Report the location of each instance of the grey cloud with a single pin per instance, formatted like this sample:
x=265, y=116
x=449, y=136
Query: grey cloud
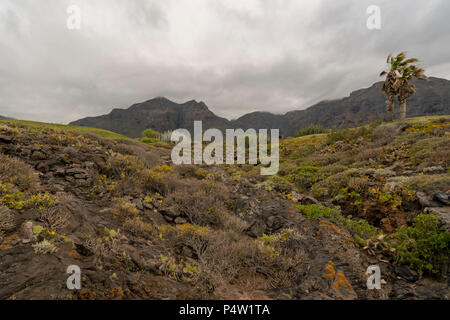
x=236, y=56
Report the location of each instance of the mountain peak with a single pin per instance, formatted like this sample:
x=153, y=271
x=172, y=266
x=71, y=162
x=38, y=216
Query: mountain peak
x=159, y=113
x=360, y=107
x=159, y=99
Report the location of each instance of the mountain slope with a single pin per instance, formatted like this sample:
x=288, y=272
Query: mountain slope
x=366, y=105
x=159, y=114
x=361, y=107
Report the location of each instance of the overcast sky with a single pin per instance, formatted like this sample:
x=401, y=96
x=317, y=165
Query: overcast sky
x=237, y=56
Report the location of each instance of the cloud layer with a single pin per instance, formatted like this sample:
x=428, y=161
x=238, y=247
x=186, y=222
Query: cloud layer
x=236, y=56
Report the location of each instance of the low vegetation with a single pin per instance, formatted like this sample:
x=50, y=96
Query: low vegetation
x=144, y=228
x=361, y=172
x=359, y=227
x=38, y=127
x=424, y=246
x=150, y=136
x=312, y=129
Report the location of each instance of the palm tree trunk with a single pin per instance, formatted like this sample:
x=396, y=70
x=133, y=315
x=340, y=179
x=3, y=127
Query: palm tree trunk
x=390, y=108
x=402, y=104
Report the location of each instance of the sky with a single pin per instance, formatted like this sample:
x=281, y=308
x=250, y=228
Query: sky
x=237, y=56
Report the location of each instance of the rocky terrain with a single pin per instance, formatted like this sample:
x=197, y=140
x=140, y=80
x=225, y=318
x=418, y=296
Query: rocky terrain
x=361, y=107
x=142, y=228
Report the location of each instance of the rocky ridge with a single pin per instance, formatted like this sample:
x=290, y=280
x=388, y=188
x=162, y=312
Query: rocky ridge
x=360, y=107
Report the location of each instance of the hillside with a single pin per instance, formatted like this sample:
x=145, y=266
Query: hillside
x=361, y=107
x=159, y=114
x=365, y=105
x=142, y=228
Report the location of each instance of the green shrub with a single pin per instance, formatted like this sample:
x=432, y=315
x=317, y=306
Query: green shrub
x=358, y=227
x=125, y=208
x=44, y=247
x=121, y=166
x=312, y=129
x=150, y=136
x=347, y=135
x=37, y=229
x=376, y=123
x=318, y=211
x=149, y=133
x=332, y=185
x=149, y=140
x=11, y=197
x=424, y=246
x=303, y=177
x=14, y=199
x=110, y=234
x=360, y=241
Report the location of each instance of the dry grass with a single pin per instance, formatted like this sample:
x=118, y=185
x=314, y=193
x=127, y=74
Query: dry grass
x=7, y=221
x=430, y=184
x=431, y=152
x=386, y=133
x=200, y=203
x=246, y=260
x=17, y=172
x=333, y=184
x=60, y=127
x=359, y=184
x=229, y=258
x=374, y=154
x=129, y=147
x=163, y=183
x=139, y=228
x=54, y=218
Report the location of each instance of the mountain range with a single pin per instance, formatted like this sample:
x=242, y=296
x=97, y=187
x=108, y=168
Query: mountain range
x=361, y=107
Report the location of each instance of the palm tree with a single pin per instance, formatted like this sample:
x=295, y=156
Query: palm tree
x=400, y=73
x=403, y=86
x=388, y=85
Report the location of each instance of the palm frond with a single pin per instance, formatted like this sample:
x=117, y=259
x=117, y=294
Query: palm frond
x=411, y=60
x=388, y=60
x=401, y=56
